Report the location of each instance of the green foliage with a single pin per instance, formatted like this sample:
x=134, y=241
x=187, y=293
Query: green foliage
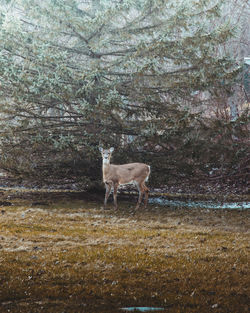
x=74, y=75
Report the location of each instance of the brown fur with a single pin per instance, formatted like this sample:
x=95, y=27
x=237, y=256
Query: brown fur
x=115, y=175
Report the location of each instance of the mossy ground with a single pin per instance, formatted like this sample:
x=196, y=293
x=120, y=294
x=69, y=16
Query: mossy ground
x=72, y=256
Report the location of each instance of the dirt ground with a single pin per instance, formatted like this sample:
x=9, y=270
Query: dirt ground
x=59, y=253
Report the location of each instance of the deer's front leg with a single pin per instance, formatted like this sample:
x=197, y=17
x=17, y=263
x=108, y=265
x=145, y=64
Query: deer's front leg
x=108, y=186
x=116, y=185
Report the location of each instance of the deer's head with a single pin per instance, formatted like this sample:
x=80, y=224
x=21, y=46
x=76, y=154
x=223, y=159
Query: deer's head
x=106, y=154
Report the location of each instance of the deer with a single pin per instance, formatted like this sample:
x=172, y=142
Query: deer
x=116, y=175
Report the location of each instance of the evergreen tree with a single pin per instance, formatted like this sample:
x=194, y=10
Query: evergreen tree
x=77, y=74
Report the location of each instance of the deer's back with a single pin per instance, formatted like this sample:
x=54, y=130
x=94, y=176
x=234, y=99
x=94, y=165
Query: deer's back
x=128, y=173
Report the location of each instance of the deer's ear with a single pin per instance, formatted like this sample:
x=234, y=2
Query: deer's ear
x=111, y=149
x=101, y=149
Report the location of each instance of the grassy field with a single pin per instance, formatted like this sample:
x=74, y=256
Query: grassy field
x=69, y=255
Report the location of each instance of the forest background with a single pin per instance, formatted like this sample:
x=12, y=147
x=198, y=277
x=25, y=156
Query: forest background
x=164, y=82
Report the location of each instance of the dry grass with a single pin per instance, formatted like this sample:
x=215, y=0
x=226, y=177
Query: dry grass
x=71, y=256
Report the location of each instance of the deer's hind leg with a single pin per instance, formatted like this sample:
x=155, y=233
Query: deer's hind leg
x=143, y=190
x=146, y=191
x=141, y=193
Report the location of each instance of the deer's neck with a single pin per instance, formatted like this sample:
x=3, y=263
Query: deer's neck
x=105, y=169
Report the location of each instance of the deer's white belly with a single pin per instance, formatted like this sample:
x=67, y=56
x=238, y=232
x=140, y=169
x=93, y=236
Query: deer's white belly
x=132, y=182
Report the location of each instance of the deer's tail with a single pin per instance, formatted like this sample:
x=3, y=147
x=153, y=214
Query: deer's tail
x=149, y=170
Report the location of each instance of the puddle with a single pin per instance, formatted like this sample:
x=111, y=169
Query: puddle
x=141, y=309
x=202, y=204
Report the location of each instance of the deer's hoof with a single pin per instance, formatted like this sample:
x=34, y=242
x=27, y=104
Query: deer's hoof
x=104, y=208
